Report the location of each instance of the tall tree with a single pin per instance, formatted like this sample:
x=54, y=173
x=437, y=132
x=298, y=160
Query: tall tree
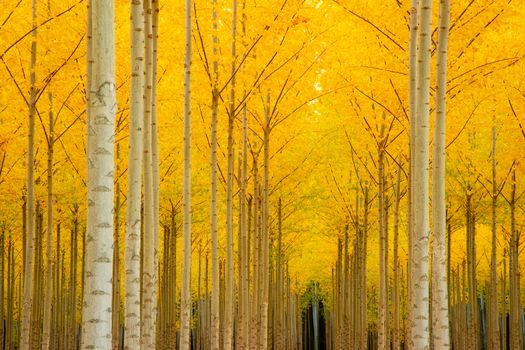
x=440, y=317
x=229, y=297
x=27, y=304
x=185, y=297
x=96, y=312
x=494, y=333
x=46, y=327
x=215, y=296
x=149, y=297
x=134, y=198
x=419, y=327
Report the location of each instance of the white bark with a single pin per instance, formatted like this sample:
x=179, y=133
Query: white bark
x=155, y=167
x=215, y=296
x=48, y=298
x=440, y=316
x=148, y=330
x=419, y=325
x=96, y=312
x=186, y=195
x=229, y=301
x=134, y=198
x=412, y=73
x=27, y=304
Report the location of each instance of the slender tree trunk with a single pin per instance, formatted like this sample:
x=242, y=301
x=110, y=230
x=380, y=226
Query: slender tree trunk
x=46, y=335
x=215, y=296
x=440, y=317
x=265, y=226
x=494, y=333
x=412, y=81
x=396, y=332
x=155, y=165
x=96, y=318
x=134, y=198
x=185, y=317
x=230, y=279
x=149, y=297
x=383, y=342
x=419, y=333
x=115, y=308
x=29, y=244
x=515, y=308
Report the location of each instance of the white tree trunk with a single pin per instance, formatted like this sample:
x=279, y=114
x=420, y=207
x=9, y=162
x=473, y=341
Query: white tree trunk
x=155, y=166
x=419, y=328
x=494, y=333
x=27, y=304
x=440, y=323
x=96, y=312
x=215, y=296
x=185, y=297
x=148, y=329
x=229, y=296
x=134, y=198
x=412, y=74
x=48, y=298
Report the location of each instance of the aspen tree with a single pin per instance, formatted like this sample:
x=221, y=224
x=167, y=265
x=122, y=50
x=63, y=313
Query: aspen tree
x=215, y=296
x=46, y=335
x=383, y=341
x=516, y=338
x=419, y=332
x=494, y=332
x=149, y=298
x=185, y=317
x=229, y=295
x=29, y=245
x=155, y=163
x=440, y=317
x=134, y=198
x=396, y=332
x=115, y=304
x=265, y=225
x=96, y=313
x=412, y=81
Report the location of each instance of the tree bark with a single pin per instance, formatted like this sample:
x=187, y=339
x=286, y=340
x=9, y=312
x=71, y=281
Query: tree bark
x=29, y=244
x=96, y=313
x=419, y=332
x=185, y=317
x=46, y=335
x=133, y=213
x=440, y=317
x=215, y=296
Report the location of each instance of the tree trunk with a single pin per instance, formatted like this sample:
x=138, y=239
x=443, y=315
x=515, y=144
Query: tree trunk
x=494, y=335
x=419, y=333
x=96, y=318
x=515, y=308
x=230, y=279
x=134, y=198
x=440, y=317
x=149, y=297
x=29, y=244
x=185, y=317
x=46, y=335
x=215, y=296
x=396, y=331
x=383, y=342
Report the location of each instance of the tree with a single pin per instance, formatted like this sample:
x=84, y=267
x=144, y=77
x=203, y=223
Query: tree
x=30, y=188
x=440, y=317
x=96, y=311
x=419, y=327
x=134, y=198
x=186, y=195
